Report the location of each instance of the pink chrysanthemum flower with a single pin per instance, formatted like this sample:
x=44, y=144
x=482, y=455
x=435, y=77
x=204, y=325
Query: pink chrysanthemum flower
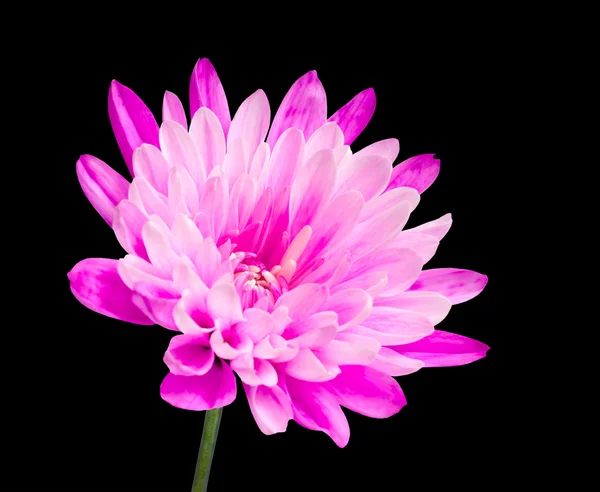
x=282, y=260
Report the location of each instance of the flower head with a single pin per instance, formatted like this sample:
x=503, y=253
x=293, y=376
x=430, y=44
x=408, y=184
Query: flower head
x=276, y=252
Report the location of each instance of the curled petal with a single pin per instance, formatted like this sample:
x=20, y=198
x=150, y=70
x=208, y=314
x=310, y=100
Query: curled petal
x=271, y=408
x=214, y=389
x=189, y=355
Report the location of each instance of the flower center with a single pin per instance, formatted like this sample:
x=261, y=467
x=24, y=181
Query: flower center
x=254, y=282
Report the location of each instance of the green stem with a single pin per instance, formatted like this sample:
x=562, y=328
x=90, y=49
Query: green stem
x=212, y=419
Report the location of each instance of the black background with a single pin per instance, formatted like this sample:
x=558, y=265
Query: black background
x=88, y=414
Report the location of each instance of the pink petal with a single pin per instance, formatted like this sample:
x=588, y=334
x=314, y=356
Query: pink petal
x=157, y=239
x=374, y=232
x=391, y=326
x=457, y=285
x=251, y=121
x=228, y=344
x=148, y=200
x=367, y=174
x=303, y=107
x=102, y=185
x=127, y=224
x=336, y=221
x=223, y=303
x=133, y=270
x=186, y=236
x=393, y=197
x=149, y=163
x=329, y=136
x=214, y=389
x=188, y=355
x=242, y=201
x=435, y=307
x=183, y=192
x=190, y=315
x=208, y=261
x=350, y=349
x=351, y=305
x=312, y=190
x=172, y=109
x=132, y=122
x=424, y=245
x=254, y=372
x=418, y=172
x=235, y=163
x=158, y=309
x=304, y=300
x=179, y=149
x=208, y=136
x=442, y=349
x=206, y=90
x=271, y=408
x=257, y=324
x=317, y=409
x=286, y=157
x=389, y=149
x=355, y=115
x=315, y=330
x=306, y=366
x=368, y=392
x=96, y=283
x=401, y=265
x=437, y=228
x=392, y=363
x=213, y=204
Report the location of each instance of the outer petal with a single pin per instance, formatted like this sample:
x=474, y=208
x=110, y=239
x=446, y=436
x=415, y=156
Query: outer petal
x=389, y=148
x=442, y=349
x=317, y=409
x=271, y=408
x=303, y=107
x=418, y=172
x=102, y=185
x=367, y=174
x=391, y=326
x=131, y=120
x=214, y=389
x=96, y=283
x=127, y=224
x=393, y=363
x=355, y=115
x=188, y=355
x=172, y=109
x=437, y=228
x=251, y=121
x=208, y=136
x=149, y=163
x=434, y=306
x=368, y=392
x=206, y=90
x=457, y=285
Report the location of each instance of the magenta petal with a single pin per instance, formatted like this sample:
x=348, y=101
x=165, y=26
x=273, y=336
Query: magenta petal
x=206, y=90
x=418, y=172
x=317, y=409
x=96, y=283
x=368, y=392
x=102, y=185
x=132, y=122
x=355, y=115
x=188, y=355
x=214, y=389
x=442, y=349
x=172, y=109
x=303, y=107
x=271, y=408
x=457, y=285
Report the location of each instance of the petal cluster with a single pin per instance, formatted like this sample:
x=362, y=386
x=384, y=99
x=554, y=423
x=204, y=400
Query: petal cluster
x=275, y=251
